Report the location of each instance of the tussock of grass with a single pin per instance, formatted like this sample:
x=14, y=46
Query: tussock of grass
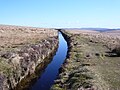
x=5, y=67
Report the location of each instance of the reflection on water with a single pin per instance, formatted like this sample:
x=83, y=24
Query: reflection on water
x=51, y=72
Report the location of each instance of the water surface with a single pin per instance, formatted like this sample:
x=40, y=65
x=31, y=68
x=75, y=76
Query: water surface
x=50, y=74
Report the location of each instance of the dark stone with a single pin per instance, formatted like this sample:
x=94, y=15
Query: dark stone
x=97, y=54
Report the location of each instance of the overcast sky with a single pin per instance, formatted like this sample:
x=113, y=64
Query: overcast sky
x=61, y=13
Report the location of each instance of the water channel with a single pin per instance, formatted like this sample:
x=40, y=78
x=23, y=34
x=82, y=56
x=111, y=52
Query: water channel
x=51, y=71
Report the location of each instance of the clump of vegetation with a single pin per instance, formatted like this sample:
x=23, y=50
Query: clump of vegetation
x=116, y=50
x=5, y=68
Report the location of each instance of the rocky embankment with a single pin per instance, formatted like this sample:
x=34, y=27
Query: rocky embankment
x=23, y=50
x=93, y=61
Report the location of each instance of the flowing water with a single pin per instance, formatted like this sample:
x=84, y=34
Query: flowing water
x=50, y=74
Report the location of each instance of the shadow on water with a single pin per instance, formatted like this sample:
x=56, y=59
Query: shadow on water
x=50, y=74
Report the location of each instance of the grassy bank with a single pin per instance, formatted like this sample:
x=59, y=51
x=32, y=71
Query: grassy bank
x=90, y=65
x=22, y=49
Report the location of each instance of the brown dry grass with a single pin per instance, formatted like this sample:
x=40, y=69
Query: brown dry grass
x=18, y=35
x=110, y=38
